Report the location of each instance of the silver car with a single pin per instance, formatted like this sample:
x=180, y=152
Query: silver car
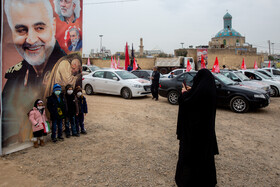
x=246, y=82
x=275, y=72
x=268, y=74
x=274, y=84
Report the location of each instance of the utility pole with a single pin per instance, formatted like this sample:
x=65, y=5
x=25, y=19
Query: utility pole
x=101, y=50
x=269, y=47
x=272, y=48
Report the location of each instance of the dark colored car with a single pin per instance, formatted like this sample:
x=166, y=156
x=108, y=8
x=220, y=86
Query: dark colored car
x=229, y=93
x=144, y=74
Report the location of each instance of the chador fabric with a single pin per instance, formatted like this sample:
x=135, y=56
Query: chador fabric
x=196, y=133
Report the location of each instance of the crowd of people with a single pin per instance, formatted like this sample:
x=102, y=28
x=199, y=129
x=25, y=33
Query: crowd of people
x=69, y=107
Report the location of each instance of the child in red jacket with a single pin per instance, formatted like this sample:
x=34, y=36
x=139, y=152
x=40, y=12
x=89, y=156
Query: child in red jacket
x=38, y=119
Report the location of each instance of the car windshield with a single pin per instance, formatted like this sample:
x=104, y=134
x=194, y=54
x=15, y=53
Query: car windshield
x=94, y=68
x=242, y=76
x=262, y=75
x=126, y=75
x=266, y=73
x=225, y=80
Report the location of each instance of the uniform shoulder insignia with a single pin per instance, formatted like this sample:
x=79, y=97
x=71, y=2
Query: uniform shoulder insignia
x=16, y=67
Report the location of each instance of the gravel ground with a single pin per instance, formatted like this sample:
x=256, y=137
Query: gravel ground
x=133, y=143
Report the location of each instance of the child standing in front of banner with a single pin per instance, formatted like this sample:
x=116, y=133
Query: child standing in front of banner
x=56, y=107
x=82, y=103
x=38, y=119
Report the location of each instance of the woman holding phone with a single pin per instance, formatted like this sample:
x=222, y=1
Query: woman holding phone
x=196, y=132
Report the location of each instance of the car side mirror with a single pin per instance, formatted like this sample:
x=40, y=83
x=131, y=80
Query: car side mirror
x=115, y=78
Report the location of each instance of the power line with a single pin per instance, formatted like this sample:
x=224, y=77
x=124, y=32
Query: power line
x=106, y=2
x=264, y=47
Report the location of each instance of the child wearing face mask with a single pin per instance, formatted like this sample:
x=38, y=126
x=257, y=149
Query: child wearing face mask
x=82, y=103
x=56, y=107
x=72, y=109
x=38, y=119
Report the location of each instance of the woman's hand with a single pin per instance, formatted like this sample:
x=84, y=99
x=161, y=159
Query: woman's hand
x=184, y=89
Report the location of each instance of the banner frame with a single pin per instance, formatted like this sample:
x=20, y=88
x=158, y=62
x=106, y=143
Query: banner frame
x=1, y=40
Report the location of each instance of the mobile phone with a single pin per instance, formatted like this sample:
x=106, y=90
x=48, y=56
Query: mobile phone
x=185, y=84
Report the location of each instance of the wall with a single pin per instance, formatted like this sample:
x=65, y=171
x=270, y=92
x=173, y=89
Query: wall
x=229, y=57
x=144, y=63
x=230, y=41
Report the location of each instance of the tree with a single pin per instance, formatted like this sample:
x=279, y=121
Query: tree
x=270, y=57
x=181, y=52
x=163, y=55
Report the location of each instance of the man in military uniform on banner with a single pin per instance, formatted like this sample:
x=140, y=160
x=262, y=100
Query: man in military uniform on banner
x=33, y=32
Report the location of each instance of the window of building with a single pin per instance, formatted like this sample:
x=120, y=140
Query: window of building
x=225, y=42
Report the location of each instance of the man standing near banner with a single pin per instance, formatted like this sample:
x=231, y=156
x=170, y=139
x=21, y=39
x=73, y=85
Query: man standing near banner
x=33, y=31
x=68, y=10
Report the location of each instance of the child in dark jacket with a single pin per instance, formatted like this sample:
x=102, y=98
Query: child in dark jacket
x=37, y=117
x=82, y=103
x=72, y=109
x=56, y=107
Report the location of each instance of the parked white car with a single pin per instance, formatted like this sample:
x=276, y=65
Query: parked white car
x=89, y=69
x=274, y=71
x=116, y=82
x=176, y=72
x=274, y=84
x=243, y=80
x=268, y=74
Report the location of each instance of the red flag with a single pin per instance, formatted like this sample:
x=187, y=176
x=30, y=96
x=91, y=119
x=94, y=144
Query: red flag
x=255, y=65
x=135, y=66
x=126, y=57
x=112, y=62
x=118, y=62
x=216, y=68
x=88, y=62
x=189, y=67
x=243, y=66
x=203, y=66
x=269, y=65
x=115, y=63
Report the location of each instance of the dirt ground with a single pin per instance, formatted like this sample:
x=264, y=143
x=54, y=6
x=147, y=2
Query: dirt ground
x=133, y=143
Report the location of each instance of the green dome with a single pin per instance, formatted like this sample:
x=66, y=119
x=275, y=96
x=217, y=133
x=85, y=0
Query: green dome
x=227, y=32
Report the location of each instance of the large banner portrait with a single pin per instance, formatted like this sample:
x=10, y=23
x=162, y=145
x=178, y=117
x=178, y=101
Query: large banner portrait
x=37, y=36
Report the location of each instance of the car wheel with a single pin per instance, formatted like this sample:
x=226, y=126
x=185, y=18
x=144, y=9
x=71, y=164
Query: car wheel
x=126, y=93
x=88, y=89
x=274, y=91
x=173, y=97
x=239, y=104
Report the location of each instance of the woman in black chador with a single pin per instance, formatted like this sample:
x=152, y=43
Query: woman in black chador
x=196, y=133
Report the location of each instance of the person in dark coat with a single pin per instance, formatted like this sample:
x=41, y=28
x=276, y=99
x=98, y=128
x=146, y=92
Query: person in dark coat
x=196, y=133
x=155, y=83
x=72, y=109
x=56, y=107
x=83, y=110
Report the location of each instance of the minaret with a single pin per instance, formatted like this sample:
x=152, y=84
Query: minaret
x=141, y=47
x=227, y=21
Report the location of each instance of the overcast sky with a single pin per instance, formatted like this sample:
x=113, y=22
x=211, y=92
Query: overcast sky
x=164, y=24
